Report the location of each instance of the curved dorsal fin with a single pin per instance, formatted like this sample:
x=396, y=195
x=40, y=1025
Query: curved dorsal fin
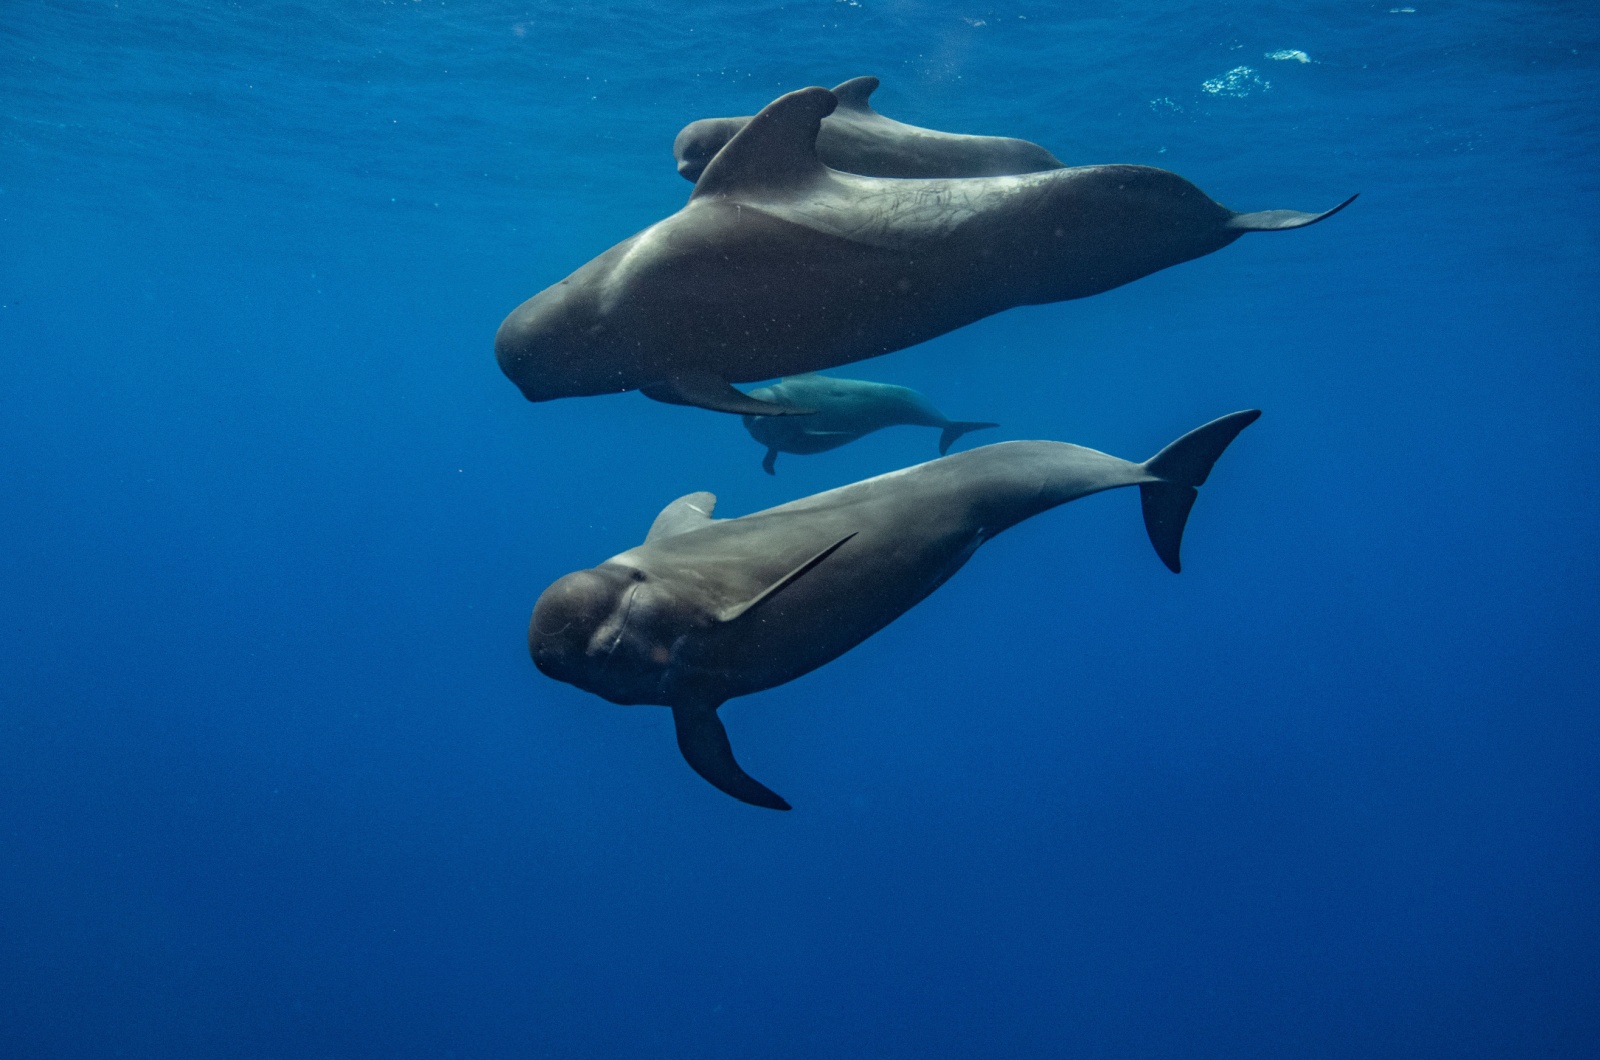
x=854, y=92
x=687, y=513
x=776, y=151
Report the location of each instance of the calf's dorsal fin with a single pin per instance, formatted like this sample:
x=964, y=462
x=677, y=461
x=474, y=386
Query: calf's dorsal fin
x=853, y=94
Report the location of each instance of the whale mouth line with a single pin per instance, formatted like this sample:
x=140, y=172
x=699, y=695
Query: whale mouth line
x=622, y=626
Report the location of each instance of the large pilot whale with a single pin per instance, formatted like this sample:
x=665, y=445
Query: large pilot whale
x=857, y=139
x=709, y=609
x=846, y=409
x=778, y=265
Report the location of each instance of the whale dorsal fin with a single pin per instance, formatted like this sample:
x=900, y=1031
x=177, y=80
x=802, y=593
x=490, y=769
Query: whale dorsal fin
x=687, y=513
x=735, y=611
x=777, y=151
x=854, y=92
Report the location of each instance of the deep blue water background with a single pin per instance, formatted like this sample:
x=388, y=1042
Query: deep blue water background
x=277, y=778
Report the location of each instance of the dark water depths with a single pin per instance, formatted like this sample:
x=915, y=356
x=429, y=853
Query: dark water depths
x=277, y=778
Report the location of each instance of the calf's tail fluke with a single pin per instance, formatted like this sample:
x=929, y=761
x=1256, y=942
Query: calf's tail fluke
x=955, y=429
x=1182, y=468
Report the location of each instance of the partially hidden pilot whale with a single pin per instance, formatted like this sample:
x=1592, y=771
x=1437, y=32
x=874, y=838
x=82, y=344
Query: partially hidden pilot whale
x=846, y=409
x=709, y=609
x=857, y=139
x=778, y=265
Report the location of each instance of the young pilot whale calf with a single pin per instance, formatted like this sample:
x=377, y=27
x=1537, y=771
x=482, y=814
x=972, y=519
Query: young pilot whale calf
x=707, y=609
x=778, y=265
x=857, y=139
x=846, y=409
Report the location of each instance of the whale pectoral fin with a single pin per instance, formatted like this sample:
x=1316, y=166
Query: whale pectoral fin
x=706, y=391
x=689, y=512
x=770, y=461
x=777, y=151
x=853, y=94
x=1282, y=220
x=704, y=743
x=736, y=611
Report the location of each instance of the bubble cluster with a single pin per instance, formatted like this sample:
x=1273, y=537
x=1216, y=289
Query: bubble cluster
x=1239, y=82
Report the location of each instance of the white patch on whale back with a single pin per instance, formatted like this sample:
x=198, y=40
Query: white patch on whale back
x=639, y=254
x=1287, y=54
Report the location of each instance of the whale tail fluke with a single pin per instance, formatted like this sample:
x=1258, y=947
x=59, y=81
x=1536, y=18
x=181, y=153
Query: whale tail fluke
x=1281, y=220
x=955, y=429
x=1182, y=468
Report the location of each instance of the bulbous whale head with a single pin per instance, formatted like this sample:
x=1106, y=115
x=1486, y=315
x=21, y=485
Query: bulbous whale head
x=562, y=342
x=539, y=346
x=606, y=630
x=699, y=141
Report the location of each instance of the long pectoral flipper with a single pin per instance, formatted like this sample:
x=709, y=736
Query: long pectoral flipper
x=707, y=391
x=735, y=611
x=704, y=743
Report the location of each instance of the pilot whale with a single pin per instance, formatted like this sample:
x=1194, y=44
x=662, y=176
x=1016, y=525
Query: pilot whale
x=706, y=609
x=846, y=409
x=857, y=139
x=778, y=265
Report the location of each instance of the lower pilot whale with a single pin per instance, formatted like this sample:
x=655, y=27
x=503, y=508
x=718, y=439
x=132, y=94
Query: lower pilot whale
x=778, y=265
x=857, y=139
x=708, y=609
x=846, y=409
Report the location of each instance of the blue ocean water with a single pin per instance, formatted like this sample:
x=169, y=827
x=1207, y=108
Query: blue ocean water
x=277, y=778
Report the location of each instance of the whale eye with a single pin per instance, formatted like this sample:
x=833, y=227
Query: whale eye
x=638, y=575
